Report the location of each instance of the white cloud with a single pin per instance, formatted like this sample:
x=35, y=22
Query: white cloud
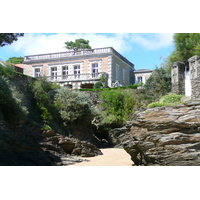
x=153, y=41
x=38, y=43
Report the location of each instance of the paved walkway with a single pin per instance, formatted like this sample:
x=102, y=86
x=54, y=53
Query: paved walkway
x=110, y=157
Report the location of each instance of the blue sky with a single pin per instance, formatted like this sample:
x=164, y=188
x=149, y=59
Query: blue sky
x=145, y=50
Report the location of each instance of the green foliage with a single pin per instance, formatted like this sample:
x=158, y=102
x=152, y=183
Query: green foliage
x=169, y=99
x=98, y=85
x=117, y=106
x=46, y=127
x=7, y=70
x=186, y=46
x=157, y=104
x=78, y=44
x=136, y=85
x=10, y=104
x=103, y=80
x=158, y=84
x=15, y=60
x=43, y=94
x=73, y=105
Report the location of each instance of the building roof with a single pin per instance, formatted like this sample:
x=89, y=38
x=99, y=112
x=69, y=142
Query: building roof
x=74, y=55
x=19, y=65
x=143, y=71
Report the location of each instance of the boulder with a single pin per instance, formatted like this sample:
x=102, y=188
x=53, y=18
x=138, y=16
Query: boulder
x=163, y=136
x=76, y=147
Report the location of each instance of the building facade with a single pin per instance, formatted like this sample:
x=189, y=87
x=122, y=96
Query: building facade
x=82, y=68
x=142, y=75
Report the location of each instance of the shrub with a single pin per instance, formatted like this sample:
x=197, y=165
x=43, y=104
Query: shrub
x=43, y=93
x=10, y=105
x=117, y=106
x=98, y=85
x=157, y=104
x=169, y=99
x=7, y=70
x=73, y=105
x=158, y=84
x=46, y=127
x=136, y=85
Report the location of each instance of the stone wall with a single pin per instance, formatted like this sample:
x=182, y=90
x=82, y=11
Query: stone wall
x=194, y=65
x=178, y=78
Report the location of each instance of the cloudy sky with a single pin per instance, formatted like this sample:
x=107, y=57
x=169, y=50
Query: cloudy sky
x=145, y=50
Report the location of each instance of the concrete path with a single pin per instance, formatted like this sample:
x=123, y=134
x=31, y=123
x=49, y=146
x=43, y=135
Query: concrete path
x=110, y=157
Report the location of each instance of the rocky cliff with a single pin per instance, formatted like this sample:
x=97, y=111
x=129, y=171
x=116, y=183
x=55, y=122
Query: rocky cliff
x=24, y=143
x=163, y=136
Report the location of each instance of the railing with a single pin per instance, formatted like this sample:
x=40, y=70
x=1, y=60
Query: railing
x=67, y=54
x=75, y=77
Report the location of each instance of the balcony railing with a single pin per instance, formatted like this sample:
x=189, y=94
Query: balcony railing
x=67, y=54
x=75, y=77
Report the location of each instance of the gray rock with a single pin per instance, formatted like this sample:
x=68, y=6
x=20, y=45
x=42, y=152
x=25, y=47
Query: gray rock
x=163, y=136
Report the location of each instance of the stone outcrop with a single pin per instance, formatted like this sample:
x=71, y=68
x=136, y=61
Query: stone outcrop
x=23, y=145
x=163, y=136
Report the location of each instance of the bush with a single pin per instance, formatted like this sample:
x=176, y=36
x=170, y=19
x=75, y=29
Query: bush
x=117, y=106
x=10, y=105
x=169, y=99
x=73, y=105
x=136, y=85
x=98, y=85
x=7, y=70
x=157, y=104
x=43, y=93
x=158, y=84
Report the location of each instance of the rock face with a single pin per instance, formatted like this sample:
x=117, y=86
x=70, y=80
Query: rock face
x=78, y=148
x=23, y=145
x=163, y=136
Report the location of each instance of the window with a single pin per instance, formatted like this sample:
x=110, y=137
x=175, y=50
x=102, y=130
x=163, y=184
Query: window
x=65, y=72
x=139, y=79
x=77, y=71
x=95, y=70
x=37, y=72
x=53, y=73
x=123, y=74
x=117, y=72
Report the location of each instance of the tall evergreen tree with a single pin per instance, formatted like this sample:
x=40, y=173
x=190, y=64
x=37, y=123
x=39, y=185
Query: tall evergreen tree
x=186, y=46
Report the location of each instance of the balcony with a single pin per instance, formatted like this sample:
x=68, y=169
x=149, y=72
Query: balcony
x=76, y=77
x=67, y=54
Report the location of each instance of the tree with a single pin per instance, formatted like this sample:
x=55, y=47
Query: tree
x=9, y=38
x=158, y=84
x=186, y=46
x=15, y=60
x=78, y=44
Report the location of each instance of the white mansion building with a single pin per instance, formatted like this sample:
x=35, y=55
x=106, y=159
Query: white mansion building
x=81, y=68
